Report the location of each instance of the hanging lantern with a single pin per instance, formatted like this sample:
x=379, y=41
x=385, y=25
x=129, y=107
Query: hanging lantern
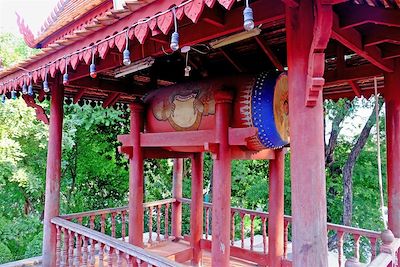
x=248, y=17
x=30, y=89
x=46, y=87
x=24, y=89
x=127, y=57
x=13, y=94
x=3, y=98
x=92, y=69
x=175, y=35
x=65, y=76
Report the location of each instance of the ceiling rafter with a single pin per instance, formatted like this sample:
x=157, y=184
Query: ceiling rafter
x=352, y=15
x=270, y=54
x=352, y=39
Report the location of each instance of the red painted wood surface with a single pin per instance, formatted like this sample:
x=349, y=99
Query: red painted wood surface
x=307, y=146
x=136, y=179
x=276, y=209
x=222, y=183
x=196, y=209
x=176, y=226
x=53, y=175
x=392, y=104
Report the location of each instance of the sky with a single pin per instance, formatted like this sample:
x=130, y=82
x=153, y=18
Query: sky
x=34, y=12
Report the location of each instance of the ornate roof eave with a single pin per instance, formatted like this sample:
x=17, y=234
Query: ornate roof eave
x=53, y=58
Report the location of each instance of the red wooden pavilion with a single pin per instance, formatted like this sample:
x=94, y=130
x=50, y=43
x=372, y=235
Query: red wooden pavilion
x=111, y=53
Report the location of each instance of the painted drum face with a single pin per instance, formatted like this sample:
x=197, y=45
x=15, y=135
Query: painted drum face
x=260, y=102
x=264, y=105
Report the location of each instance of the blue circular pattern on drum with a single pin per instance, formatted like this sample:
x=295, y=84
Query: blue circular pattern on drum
x=262, y=109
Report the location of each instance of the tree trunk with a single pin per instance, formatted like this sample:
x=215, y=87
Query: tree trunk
x=349, y=167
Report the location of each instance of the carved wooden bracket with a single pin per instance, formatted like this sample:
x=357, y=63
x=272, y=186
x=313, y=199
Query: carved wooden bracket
x=40, y=113
x=323, y=19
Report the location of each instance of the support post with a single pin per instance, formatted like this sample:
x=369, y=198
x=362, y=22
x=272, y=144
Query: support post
x=392, y=104
x=276, y=209
x=53, y=175
x=221, y=211
x=309, y=227
x=196, y=208
x=177, y=194
x=136, y=187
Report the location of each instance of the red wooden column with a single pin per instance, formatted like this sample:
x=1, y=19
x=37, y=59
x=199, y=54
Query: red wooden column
x=53, y=174
x=136, y=178
x=276, y=209
x=196, y=208
x=392, y=104
x=221, y=211
x=309, y=227
x=177, y=193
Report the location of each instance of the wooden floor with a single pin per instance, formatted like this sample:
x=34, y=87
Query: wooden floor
x=171, y=248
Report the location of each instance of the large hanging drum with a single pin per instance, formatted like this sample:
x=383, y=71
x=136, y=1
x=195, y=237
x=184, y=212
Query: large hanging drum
x=260, y=102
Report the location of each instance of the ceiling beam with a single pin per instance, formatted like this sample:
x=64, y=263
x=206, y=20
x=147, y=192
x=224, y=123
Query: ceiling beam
x=361, y=72
x=352, y=15
x=291, y=3
x=356, y=88
x=270, y=54
x=111, y=98
x=231, y=60
x=390, y=51
x=377, y=34
x=213, y=17
x=352, y=39
x=79, y=95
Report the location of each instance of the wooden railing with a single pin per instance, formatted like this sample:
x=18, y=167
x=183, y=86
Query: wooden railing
x=80, y=246
x=114, y=221
x=248, y=230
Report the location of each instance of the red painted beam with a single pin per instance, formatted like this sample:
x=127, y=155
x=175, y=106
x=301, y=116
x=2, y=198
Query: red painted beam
x=270, y=54
x=392, y=104
x=390, y=51
x=352, y=39
x=291, y=3
x=110, y=99
x=362, y=72
x=352, y=15
x=378, y=34
x=356, y=88
x=79, y=95
x=231, y=60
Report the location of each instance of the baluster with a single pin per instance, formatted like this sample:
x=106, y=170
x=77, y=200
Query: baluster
x=150, y=225
x=207, y=221
x=130, y=261
x=139, y=262
x=372, y=240
x=242, y=229
x=85, y=251
x=91, y=219
x=356, y=246
x=113, y=224
x=166, y=221
x=264, y=233
x=65, y=248
x=340, y=236
x=110, y=257
x=71, y=248
x=232, y=228
x=252, y=232
x=92, y=261
x=119, y=258
x=103, y=223
x=78, y=253
x=285, y=240
x=101, y=255
x=58, y=246
x=158, y=222
x=123, y=227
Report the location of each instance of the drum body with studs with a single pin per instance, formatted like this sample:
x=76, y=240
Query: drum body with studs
x=260, y=102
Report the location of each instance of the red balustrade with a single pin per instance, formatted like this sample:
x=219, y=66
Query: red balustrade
x=71, y=237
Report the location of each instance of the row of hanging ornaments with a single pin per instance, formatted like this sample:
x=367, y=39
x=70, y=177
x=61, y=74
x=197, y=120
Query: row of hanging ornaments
x=174, y=45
